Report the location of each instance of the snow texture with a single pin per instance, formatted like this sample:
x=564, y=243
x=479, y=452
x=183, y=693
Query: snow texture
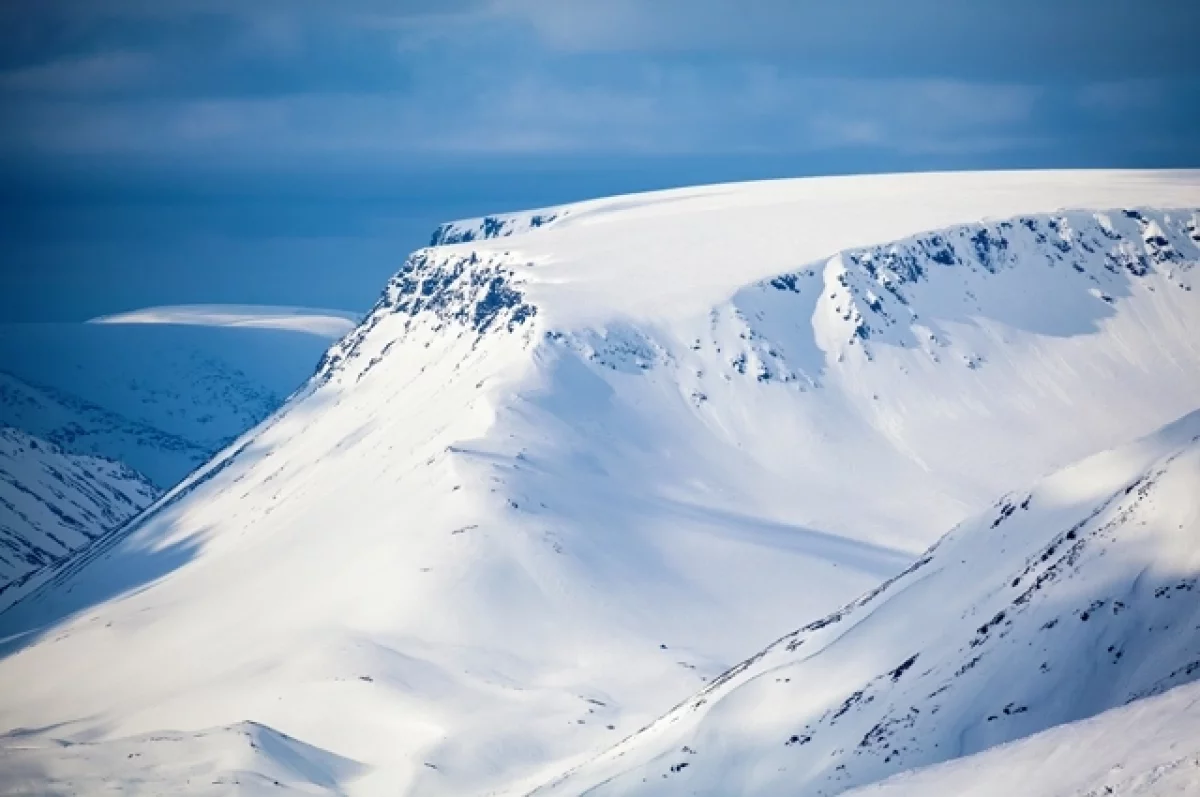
x=576, y=463
x=1069, y=599
x=1149, y=748
x=246, y=759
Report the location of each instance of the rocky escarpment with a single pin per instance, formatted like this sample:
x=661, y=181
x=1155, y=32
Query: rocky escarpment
x=1057, y=274
x=439, y=291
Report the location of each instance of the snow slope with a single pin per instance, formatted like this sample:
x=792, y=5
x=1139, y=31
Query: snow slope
x=53, y=503
x=1058, y=603
x=160, y=390
x=246, y=759
x=1149, y=748
x=566, y=472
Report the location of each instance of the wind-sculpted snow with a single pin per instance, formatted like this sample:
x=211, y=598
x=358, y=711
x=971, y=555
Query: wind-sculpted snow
x=1077, y=596
x=566, y=473
x=53, y=503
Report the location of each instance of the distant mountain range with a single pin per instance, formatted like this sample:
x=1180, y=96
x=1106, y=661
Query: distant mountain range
x=53, y=503
x=99, y=418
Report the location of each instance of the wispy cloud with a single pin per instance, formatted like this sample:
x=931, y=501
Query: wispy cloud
x=650, y=111
x=373, y=79
x=91, y=74
x=1012, y=40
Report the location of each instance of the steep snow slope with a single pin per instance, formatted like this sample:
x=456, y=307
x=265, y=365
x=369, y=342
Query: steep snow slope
x=567, y=471
x=162, y=398
x=1058, y=603
x=1149, y=748
x=53, y=503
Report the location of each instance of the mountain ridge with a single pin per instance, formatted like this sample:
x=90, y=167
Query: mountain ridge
x=851, y=730
x=484, y=542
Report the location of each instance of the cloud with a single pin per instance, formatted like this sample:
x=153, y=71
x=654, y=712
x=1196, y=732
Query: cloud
x=290, y=80
x=331, y=324
x=645, y=110
x=92, y=74
x=1122, y=96
x=1011, y=40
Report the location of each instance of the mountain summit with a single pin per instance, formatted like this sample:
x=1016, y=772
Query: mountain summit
x=576, y=463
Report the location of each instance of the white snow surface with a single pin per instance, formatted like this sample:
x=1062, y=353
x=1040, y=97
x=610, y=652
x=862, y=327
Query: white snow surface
x=1058, y=603
x=329, y=324
x=53, y=503
x=1149, y=748
x=567, y=472
x=246, y=759
x=678, y=253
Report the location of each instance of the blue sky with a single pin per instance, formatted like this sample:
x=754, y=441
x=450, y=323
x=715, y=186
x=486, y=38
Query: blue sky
x=292, y=151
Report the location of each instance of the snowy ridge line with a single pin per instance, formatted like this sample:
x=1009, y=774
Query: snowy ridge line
x=1105, y=247
x=717, y=684
x=1144, y=749
x=560, y=480
x=1104, y=552
x=869, y=289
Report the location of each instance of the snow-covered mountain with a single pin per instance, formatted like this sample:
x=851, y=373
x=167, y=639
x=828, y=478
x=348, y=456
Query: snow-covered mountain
x=568, y=471
x=88, y=429
x=1149, y=748
x=1056, y=604
x=53, y=503
x=160, y=390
